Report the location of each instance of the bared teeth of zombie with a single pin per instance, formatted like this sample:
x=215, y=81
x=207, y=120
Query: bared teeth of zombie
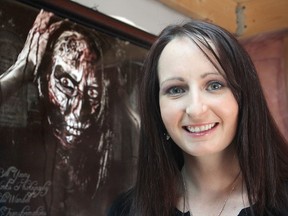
x=78, y=125
x=69, y=122
x=73, y=131
x=69, y=138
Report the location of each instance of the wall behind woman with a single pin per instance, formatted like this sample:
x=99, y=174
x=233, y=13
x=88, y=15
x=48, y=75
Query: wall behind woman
x=268, y=52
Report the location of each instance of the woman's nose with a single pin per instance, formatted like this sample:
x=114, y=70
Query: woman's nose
x=196, y=105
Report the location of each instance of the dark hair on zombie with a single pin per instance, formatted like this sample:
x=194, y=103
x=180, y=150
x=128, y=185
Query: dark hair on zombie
x=261, y=149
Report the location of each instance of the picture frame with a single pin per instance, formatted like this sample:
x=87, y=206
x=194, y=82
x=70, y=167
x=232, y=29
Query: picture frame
x=69, y=122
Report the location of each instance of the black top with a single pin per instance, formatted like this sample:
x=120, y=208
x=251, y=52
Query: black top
x=243, y=212
x=122, y=204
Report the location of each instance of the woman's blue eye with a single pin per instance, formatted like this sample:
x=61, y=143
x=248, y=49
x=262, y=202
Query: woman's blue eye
x=214, y=86
x=175, y=90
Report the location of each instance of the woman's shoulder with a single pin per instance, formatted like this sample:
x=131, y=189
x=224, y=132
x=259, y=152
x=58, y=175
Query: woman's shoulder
x=283, y=209
x=121, y=205
x=268, y=212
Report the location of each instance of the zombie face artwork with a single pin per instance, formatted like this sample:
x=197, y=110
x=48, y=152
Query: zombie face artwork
x=74, y=88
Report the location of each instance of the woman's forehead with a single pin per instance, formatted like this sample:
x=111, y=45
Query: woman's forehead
x=205, y=45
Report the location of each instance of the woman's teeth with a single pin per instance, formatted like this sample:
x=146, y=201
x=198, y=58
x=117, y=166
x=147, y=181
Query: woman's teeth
x=202, y=128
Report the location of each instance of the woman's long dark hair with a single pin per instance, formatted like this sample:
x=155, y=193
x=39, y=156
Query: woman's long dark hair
x=261, y=149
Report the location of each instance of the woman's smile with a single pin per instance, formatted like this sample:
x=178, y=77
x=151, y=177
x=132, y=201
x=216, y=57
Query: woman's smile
x=200, y=130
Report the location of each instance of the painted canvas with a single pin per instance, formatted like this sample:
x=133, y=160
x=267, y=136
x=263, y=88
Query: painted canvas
x=68, y=113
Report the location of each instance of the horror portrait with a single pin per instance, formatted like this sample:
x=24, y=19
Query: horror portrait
x=65, y=135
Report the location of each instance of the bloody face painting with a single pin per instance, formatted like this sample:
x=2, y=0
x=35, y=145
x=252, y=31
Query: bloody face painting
x=74, y=88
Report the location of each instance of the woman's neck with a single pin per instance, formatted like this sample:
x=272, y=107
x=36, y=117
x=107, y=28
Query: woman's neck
x=213, y=185
x=211, y=172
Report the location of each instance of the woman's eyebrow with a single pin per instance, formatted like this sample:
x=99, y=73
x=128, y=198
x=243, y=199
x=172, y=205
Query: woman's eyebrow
x=210, y=73
x=171, y=79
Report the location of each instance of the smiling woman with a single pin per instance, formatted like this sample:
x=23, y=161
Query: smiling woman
x=197, y=107
x=209, y=145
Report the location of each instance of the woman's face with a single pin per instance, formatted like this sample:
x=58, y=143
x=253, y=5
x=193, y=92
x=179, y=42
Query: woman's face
x=198, y=109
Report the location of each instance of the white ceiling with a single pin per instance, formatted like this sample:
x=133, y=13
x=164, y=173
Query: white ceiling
x=150, y=15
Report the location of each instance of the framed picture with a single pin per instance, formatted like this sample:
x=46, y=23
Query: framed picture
x=69, y=120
